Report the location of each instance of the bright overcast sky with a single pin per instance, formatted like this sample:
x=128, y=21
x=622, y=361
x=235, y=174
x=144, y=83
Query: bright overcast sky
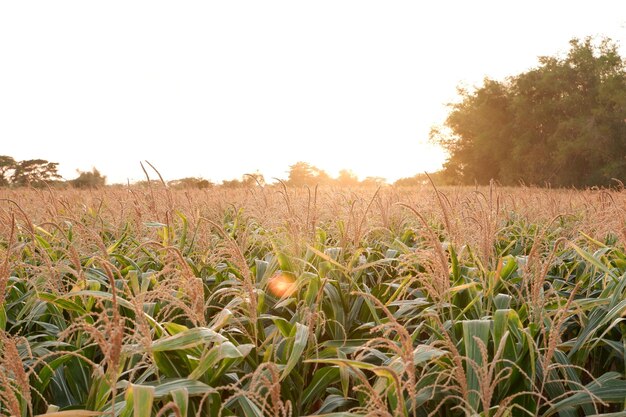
x=220, y=88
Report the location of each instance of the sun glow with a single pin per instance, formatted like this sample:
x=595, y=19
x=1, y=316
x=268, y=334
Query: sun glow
x=427, y=158
x=282, y=285
x=361, y=94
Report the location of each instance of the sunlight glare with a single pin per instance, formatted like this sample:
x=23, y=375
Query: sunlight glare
x=282, y=285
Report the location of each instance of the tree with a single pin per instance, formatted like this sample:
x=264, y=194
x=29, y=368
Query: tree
x=247, y=181
x=191, y=182
x=234, y=183
x=373, y=182
x=562, y=123
x=416, y=180
x=251, y=180
x=437, y=177
x=7, y=164
x=347, y=178
x=302, y=173
x=88, y=179
x=35, y=173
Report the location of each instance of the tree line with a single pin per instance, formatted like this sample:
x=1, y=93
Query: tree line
x=562, y=123
x=40, y=173
x=300, y=174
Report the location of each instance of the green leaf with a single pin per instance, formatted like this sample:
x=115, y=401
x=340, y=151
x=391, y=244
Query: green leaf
x=282, y=325
x=345, y=362
x=607, y=388
x=322, y=378
x=594, y=261
x=474, y=330
x=154, y=224
x=142, y=400
x=187, y=339
x=67, y=305
x=331, y=403
x=3, y=317
x=164, y=388
x=180, y=396
x=425, y=353
x=300, y=341
x=224, y=350
x=249, y=408
x=599, y=318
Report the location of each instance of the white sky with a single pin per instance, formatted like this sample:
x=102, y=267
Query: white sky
x=220, y=88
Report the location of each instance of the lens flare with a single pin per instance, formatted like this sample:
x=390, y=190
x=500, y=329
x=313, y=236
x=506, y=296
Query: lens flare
x=282, y=285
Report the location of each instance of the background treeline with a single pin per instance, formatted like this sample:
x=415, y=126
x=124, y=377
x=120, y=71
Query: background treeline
x=562, y=123
x=40, y=172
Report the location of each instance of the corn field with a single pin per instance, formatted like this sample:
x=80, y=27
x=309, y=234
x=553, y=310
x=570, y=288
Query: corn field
x=275, y=301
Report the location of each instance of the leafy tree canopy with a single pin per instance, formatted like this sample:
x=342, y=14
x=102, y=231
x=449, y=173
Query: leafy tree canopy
x=34, y=172
x=89, y=179
x=190, y=183
x=7, y=164
x=302, y=173
x=438, y=178
x=347, y=178
x=562, y=123
x=374, y=182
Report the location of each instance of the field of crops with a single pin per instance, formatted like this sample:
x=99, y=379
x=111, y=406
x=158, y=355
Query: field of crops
x=300, y=302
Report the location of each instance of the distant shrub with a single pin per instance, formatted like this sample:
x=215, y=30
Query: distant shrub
x=89, y=179
x=191, y=182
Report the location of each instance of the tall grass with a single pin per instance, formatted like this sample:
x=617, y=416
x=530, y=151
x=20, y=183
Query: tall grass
x=295, y=302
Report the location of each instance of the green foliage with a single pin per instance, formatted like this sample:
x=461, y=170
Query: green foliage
x=562, y=123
